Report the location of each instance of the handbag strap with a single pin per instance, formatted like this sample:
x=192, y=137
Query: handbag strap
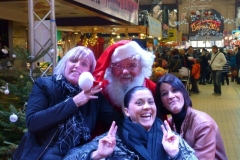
x=214, y=58
x=174, y=66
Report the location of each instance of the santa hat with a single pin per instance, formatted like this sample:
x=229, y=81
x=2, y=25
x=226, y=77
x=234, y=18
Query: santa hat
x=116, y=52
x=128, y=50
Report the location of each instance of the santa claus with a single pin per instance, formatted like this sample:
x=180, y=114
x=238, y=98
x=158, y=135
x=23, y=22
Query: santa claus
x=122, y=66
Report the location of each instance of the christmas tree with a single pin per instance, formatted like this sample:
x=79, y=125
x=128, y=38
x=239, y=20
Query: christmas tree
x=14, y=91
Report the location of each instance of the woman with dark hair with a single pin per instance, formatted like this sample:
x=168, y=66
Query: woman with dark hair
x=141, y=135
x=175, y=62
x=197, y=128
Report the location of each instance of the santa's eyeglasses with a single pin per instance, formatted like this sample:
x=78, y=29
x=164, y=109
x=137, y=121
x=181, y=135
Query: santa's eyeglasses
x=119, y=67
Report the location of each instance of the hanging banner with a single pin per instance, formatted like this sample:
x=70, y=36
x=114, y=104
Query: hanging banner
x=126, y=10
x=155, y=27
x=156, y=9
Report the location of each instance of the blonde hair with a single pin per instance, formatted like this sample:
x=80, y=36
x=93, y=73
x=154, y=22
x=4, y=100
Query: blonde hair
x=76, y=52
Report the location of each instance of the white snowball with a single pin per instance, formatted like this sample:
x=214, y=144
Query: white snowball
x=85, y=81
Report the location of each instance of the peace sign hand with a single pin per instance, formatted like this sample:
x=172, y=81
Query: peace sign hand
x=170, y=141
x=107, y=144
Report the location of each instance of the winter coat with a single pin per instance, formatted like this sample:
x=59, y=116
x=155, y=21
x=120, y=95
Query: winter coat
x=46, y=100
x=201, y=132
x=175, y=64
x=196, y=71
x=218, y=62
x=232, y=60
x=204, y=64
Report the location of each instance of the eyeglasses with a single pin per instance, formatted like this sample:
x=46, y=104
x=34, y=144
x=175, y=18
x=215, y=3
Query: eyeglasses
x=119, y=67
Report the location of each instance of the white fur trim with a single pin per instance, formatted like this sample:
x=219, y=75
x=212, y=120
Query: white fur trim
x=126, y=51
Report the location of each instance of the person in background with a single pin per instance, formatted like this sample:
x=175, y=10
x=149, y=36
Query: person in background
x=122, y=66
x=195, y=73
x=158, y=59
x=189, y=62
x=203, y=71
x=60, y=115
x=175, y=63
x=197, y=128
x=209, y=76
x=141, y=136
x=238, y=64
x=165, y=55
x=217, y=61
x=232, y=61
x=225, y=71
x=181, y=55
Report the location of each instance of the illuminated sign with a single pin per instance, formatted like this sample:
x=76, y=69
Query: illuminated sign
x=206, y=24
x=212, y=26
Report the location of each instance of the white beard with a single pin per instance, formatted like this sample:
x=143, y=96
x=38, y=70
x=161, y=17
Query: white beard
x=116, y=91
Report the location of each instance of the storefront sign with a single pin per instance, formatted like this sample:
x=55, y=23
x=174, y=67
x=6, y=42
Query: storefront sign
x=206, y=24
x=155, y=28
x=124, y=9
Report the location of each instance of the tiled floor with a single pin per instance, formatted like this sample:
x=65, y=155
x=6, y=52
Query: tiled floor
x=225, y=109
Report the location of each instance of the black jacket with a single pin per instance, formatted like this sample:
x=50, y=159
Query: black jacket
x=47, y=108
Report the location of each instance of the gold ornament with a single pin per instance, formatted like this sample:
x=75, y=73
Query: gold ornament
x=111, y=41
x=85, y=41
x=93, y=39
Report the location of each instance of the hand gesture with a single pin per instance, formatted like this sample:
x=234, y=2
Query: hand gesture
x=170, y=141
x=84, y=96
x=107, y=144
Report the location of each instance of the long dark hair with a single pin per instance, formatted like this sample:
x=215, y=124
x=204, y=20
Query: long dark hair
x=177, y=85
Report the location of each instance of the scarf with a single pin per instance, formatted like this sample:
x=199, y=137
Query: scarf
x=73, y=130
x=146, y=144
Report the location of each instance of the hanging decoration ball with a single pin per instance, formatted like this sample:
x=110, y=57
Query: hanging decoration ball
x=198, y=13
x=13, y=118
x=5, y=51
x=21, y=76
x=85, y=81
x=6, y=91
x=14, y=56
x=52, y=51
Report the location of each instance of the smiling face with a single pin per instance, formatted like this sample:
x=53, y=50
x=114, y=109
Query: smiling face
x=75, y=67
x=126, y=70
x=142, y=108
x=171, y=99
